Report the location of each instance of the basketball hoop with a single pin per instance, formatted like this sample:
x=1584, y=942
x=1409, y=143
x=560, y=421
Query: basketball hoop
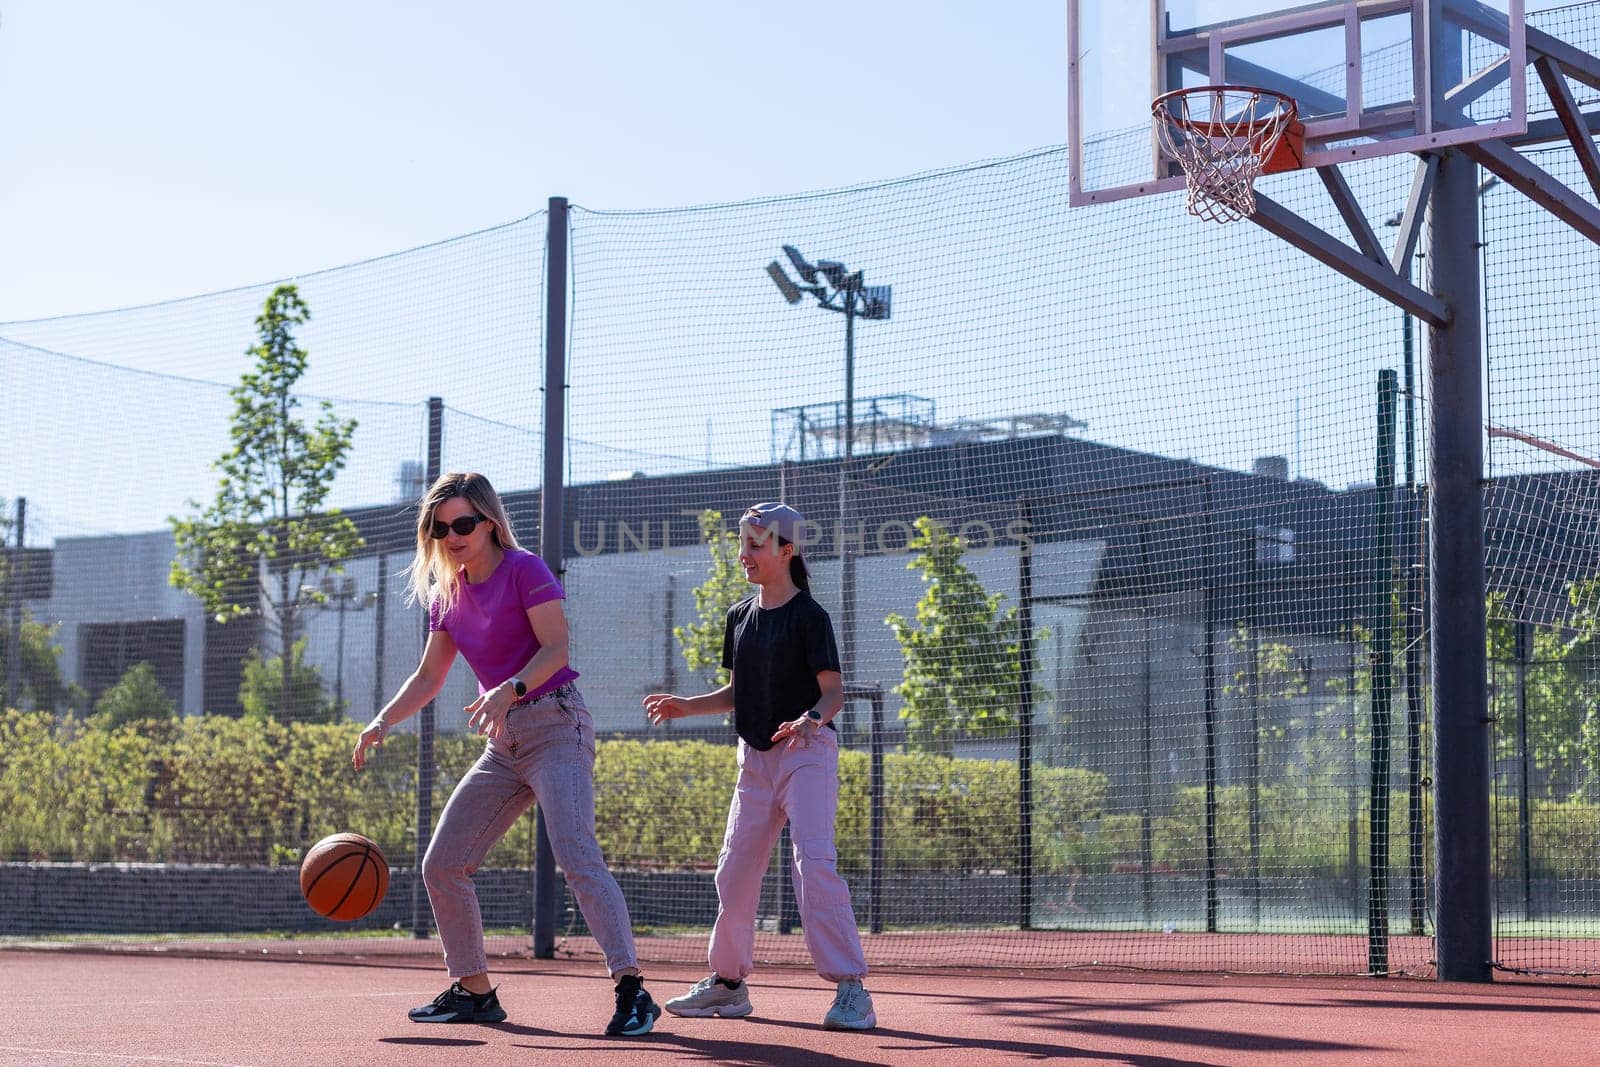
x=1224, y=137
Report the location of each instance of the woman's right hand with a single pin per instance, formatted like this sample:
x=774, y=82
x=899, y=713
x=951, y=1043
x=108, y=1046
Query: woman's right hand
x=660, y=707
x=371, y=737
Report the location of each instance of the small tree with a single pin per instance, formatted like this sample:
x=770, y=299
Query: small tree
x=1279, y=678
x=701, y=640
x=261, y=688
x=254, y=547
x=963, y=654
x=40, y=684
x=137, y=697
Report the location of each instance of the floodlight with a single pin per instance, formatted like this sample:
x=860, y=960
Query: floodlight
x=838, y=274
x=875, y=301
x=807, y=272
x=781, y=280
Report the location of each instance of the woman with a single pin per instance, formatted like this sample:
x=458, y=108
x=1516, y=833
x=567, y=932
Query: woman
x=500, y=607
x=784, y=689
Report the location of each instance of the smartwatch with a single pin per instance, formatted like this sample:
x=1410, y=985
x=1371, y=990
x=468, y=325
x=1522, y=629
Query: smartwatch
x=814, y=715
x=519, y=687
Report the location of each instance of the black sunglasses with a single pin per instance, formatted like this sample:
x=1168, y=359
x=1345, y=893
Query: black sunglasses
x=462, y=526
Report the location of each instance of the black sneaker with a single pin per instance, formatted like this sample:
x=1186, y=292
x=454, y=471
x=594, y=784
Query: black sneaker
x=456, y=1005
x=636, y=1012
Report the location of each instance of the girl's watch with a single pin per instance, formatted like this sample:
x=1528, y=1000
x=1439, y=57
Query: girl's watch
x=814, y=715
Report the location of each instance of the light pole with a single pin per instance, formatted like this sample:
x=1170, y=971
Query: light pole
x=837, y=288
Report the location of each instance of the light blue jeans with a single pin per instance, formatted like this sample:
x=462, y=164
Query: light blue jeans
x=545, y=753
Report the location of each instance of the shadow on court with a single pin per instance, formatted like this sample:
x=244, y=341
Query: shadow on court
x=236, y=1011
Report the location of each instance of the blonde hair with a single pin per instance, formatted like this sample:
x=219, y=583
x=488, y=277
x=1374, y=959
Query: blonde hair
x=432, y=576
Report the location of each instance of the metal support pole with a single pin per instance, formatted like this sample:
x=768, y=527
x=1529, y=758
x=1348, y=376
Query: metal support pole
x=1147, y=777
x=1254, y=652
x=421, y=913
x=1211, y=715
x=546, y=889
x=1456, y=574
x=338, y=663
x=14, y=606
x=380, y=608
x=1416, y=825
x=1381, y=694
x=788, y=907
x=1524, y=652
x=875, y=841
x=1025, y=726
x=847, y=556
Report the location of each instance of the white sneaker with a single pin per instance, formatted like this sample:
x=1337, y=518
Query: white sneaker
x=710, y=997
x=852, y=1008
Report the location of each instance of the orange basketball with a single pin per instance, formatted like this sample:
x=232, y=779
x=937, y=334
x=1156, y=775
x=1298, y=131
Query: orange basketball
x=344, y=877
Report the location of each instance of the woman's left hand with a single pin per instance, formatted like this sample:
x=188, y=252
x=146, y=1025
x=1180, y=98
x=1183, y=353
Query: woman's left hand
x=798, y=732
x=487, y=714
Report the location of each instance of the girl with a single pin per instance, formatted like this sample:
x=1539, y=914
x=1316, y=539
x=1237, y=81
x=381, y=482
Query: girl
x=784, y=690
x=500, y=607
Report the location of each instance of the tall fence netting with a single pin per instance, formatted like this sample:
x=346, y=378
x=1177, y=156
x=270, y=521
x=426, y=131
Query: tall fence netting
x=1132, y=619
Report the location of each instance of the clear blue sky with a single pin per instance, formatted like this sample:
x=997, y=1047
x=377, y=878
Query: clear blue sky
x=158, y=149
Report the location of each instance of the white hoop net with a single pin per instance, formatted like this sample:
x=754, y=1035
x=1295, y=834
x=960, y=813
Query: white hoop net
x=1222, y=137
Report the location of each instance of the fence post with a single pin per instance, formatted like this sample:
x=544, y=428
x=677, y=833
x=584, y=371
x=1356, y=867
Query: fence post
x=546, y=889
x=1382, y=681
x=421, y=912
x=14, y=606
x=875, y=841
x=1415, y=823
x=1211, y=713
x=1524, y=654
x=1025, y=725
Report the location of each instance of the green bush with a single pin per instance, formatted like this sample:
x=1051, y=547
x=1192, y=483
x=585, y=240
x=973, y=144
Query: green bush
x=223, y=790
x=261, y=694
x=1304, y=830
x=72, y=792
x=137, y=695
x=1564, y=838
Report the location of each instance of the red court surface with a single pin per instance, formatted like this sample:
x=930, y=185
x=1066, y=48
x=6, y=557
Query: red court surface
x=65, y=1007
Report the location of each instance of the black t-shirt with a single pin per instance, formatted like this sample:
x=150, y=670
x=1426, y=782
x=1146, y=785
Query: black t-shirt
x=775, y=654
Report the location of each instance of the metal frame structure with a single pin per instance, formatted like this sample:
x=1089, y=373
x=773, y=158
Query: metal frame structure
x=1444, y=191
x=1387, y=273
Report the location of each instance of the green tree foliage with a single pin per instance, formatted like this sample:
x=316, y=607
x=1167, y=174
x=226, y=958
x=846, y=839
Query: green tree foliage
x=268, y=531
x=41, y=684
x=1271, y=674
x=136, y=697
x=261, y=688
x=963, y=654
x=701, y=640
x=1561, y=687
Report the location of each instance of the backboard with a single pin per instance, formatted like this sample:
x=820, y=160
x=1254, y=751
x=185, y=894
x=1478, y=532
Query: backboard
x=1371, y=77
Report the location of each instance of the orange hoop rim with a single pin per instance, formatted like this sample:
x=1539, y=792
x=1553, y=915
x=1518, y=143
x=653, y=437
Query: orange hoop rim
x=1286, y=111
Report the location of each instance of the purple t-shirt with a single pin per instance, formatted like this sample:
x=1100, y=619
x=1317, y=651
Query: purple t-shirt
x=489, y=621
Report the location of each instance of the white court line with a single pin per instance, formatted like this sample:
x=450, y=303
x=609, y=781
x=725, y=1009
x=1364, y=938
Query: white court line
x=116, y=1056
